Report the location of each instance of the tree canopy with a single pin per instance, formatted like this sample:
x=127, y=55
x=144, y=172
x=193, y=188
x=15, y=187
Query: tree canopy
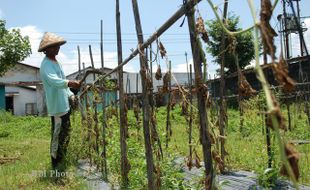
x=13, y=47
x=243, y=44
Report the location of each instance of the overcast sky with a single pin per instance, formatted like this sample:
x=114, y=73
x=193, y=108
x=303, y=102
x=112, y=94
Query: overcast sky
x=79, y=23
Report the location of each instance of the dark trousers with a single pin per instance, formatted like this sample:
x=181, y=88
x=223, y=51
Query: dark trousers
x=64, y=138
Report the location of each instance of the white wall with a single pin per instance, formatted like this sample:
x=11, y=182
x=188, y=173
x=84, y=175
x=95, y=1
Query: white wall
x=24, y=96
x=24, y=73
x=178, y=78
x=21, y=73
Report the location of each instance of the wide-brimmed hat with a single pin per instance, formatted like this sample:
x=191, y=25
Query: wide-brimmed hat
x=50, y=39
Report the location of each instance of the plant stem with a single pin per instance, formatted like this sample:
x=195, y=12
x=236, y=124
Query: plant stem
x=270, y=105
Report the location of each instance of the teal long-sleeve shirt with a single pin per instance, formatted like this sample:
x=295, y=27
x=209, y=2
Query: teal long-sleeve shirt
x=56, y=88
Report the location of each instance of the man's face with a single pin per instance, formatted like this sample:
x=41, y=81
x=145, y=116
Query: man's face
x=52, y=50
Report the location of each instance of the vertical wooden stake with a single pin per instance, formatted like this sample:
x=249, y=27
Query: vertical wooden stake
x=168, y=122
x=201, y=93
x=79, y=60
x=289, y=116
x=92, y=61
x=84, y=69
x=190, y=113
x=145, y=96
x=223, y=115
x=125, y=166
x=268, y=141
x=104, y=166
x=94, y=103
x=137, y=83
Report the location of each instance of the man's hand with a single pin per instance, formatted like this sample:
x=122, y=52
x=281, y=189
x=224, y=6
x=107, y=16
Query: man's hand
x=74, y=84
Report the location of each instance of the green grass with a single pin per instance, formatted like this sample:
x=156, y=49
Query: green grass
x=27, y=138
x=26, y=141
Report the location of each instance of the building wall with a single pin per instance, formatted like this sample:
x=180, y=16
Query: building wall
x=136, y=85
x=2, y=97
x=21, y=73
x=24, y=73
x=24, y=96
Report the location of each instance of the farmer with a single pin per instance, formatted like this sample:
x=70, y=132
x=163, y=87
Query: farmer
x=57, y=95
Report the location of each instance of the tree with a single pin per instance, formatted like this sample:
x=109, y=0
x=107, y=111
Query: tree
x=13, y=48
x=243, y=44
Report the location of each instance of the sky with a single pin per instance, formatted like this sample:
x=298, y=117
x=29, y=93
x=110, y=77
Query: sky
x=78, y=21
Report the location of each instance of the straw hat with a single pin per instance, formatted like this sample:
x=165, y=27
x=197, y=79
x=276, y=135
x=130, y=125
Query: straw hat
x=50, y=39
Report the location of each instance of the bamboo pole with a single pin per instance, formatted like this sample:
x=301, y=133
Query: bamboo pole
x=289, y=116
x=104, y=166
x=268, y=140
x=92, y=61
x=145, y=97
x=168, y=122
x=94, y=103
x=125, y=167
x=201, y=92
x=83, y=69
x=190, y=113
x=223, y=115
x=153, y=104
x=79, y=60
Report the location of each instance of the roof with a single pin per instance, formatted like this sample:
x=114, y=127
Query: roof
x=31, y=66
x=291, y=61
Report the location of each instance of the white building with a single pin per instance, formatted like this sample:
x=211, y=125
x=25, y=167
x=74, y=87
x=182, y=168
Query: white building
x=132, y=81
x=24, y=93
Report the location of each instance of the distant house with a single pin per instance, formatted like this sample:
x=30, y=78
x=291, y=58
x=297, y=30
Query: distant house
x=131, y=81
x=21, y=91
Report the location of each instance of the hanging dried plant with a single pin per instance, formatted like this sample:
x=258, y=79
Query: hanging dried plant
x=173, y=100
x=158, y=176
x=232, y=44
x=158, y=74
x=293, y=157
x=245, y=89
x=211, y=138
x=189, y=162
x=209, y=101
x=162, y=50
x=277, y=114
x=217, y=158
x=136, y=109
x=166, y=82
x=196, y=160
x=184, y=107
x=280, y=71
x=267, y=31
x=201, y=30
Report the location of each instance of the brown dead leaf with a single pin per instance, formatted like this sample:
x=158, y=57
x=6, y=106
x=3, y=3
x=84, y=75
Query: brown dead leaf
x=166, y=81
x=280, y=71
x=245, y=89
x=293, y=157
x=201, y=30
x=278, y=115
x=267, y=31
x=162, y=50
x=158, y=74
x=217, y=158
